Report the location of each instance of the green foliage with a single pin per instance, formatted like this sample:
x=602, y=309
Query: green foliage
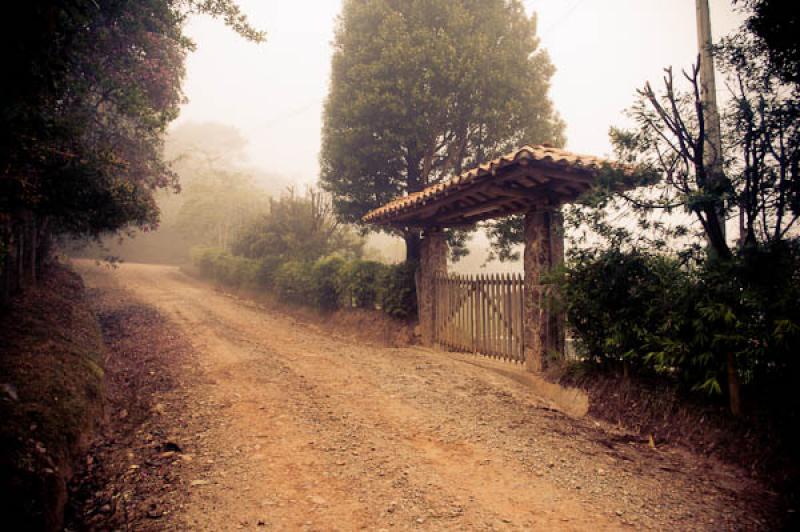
x=422, y=90
x=227, y=269
x=659, y=316
x=775, y=25
x=300, y=228
x=205, y=259
x=294, y=282
x=326, y=283
x=267, y=268
x=616, y=300
x=359, y=281
x=95, y=84
x=397, y=293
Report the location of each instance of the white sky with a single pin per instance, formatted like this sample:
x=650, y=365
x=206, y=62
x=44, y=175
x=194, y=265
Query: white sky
x=273, y=92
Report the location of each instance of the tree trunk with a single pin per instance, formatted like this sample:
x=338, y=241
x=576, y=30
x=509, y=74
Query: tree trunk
x=44, y=242
x=33, y=247
x=413, y=244
x=6, y=273
x=413, y=184
x=734, y=387
x=20, y=258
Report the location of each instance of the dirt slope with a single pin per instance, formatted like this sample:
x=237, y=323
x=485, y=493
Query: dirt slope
x=290, y=429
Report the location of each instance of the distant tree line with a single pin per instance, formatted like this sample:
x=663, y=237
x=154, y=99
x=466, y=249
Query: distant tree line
x=89, y=88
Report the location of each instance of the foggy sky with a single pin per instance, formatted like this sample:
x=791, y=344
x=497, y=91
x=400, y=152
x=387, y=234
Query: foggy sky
x=603, y=51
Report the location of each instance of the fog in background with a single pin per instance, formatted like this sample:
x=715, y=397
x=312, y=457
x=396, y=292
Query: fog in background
x=273, y=93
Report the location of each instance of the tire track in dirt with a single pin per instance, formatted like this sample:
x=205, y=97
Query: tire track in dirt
x=318, y=433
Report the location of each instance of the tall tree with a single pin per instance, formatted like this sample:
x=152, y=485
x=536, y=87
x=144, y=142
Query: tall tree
x=422, y=89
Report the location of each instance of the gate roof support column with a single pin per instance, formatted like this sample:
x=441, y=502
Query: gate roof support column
x=544, y=250
x=433, y=262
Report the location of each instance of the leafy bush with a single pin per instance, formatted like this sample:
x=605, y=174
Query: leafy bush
x=226, y=269
x=325, y=282
x=359, y=283
x=205, y=259
x=293, y=282
x=656, y=316
x=397, y=290
x=616, y=301
x=267, y=269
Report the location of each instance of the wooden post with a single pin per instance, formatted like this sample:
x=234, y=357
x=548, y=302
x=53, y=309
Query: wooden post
x=433, y=261
x=544, y=249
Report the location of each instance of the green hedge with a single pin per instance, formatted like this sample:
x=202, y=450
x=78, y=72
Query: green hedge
x=659, y=316
x=294, y=283
x=359, y=282
x=327, y=284
x=397, y=290
x=227, y=269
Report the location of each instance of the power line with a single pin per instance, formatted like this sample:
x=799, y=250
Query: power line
x=564, y=17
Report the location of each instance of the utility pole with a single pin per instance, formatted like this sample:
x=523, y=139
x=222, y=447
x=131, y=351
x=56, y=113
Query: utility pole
x=712, y=151
x=712, y=158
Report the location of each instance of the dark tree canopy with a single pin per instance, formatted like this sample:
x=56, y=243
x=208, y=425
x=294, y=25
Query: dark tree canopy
x=89, y=89
x=776, y=25
x=423, y=89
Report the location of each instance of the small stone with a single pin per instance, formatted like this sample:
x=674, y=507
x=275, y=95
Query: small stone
x=10, y=391
x=200, y=483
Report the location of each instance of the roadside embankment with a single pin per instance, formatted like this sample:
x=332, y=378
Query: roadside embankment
x=51, y=390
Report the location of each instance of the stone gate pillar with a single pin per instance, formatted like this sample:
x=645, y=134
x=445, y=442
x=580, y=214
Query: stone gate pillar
x=557, y=332
x=544, y=249
x=433, y=262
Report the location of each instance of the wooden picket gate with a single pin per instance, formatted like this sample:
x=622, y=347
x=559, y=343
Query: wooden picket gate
x=480, y=314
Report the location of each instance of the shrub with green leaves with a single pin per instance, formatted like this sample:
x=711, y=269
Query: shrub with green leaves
x=397, y=290
x=359, y=281
x=325, y=282
x=616, y=301
x=658, y=316
x=293, y=282
x=226, y=269
x=267, y=270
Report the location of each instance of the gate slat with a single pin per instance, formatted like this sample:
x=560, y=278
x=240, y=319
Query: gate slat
x=480, y=313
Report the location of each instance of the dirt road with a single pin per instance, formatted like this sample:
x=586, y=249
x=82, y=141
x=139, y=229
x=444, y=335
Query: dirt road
x=288, y=428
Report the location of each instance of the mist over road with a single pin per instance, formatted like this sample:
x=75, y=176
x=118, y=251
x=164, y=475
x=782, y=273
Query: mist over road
x=292, y=429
